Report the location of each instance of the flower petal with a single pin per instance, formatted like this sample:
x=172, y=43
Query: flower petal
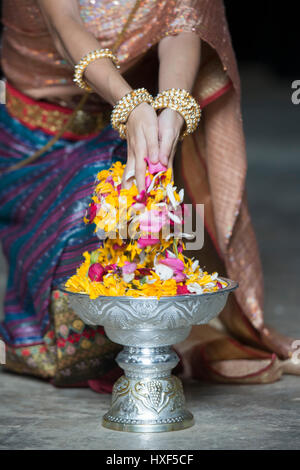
x=155, y=167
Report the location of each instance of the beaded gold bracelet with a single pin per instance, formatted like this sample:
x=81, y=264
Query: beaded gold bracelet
x=181, y=101
x=125, y=106
x=86, y=60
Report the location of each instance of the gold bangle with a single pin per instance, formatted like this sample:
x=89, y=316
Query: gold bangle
x=125, y=106
x=181, y=101
x=86, y=60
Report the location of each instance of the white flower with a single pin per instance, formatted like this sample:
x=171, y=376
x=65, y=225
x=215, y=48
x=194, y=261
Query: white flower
x=170, y=194
x=128, y=277
x=214, y=276
x=101, y=234
x=189, y=236
x=210, y=284
x=195, y=265
x=163, y=271
x=171, y=255
x=195, y=288
x=153, y=181
x=180, y=235
x=174, y=217
x=181, y=195
x=142, y=256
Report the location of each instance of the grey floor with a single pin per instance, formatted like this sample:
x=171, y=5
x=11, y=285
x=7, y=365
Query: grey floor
x=35, y=415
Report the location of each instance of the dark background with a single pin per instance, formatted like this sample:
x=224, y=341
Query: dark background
x=266, y=31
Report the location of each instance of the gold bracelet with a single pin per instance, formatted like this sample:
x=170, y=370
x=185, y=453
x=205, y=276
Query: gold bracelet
x=125, y=106
x=86, y=60
x=181, y=101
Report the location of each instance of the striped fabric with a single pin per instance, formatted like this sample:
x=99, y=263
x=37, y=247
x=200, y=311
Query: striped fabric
x=41, y=219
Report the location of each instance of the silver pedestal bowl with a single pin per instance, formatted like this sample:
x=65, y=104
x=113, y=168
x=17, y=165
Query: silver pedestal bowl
x=148, y=398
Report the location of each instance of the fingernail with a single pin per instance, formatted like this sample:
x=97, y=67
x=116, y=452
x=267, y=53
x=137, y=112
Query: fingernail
x=163, y=159
x=154, y=158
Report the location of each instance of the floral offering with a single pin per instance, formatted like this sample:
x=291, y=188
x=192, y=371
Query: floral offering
x=142, y=249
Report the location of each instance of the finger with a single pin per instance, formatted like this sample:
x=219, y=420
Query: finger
x=128, y=175
x=152, y=143
x=166, y=146
x=140, y=168
x=171, y=158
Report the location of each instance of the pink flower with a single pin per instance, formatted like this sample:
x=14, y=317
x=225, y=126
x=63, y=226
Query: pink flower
x=110, y=267
x=181, y=290
x=143, y=242
x=129, y=268
x=219, y=285
x=152, y=221
x=91, y=212
x=110, y=180
x=117, y=247
x=141, y=272
x=174, y=263
x=177, y=265
x=180, y=277
x=142, y=197
x=96, y=272
x=155, y=167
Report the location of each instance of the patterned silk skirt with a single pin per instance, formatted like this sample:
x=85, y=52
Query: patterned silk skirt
x=43, y=236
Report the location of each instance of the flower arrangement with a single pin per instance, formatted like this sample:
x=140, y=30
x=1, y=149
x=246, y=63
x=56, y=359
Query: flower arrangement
x=142, y=253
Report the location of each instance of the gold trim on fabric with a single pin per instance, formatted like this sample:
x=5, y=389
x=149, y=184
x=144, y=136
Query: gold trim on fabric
x=211, y=79
x=52, y=120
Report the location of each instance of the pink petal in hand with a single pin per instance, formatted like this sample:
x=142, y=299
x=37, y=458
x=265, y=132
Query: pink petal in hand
x=176, y=264
x=155, y=167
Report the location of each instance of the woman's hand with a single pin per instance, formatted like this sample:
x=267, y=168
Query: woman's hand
x=142, y=141
x=150, y=136
x=170, y=124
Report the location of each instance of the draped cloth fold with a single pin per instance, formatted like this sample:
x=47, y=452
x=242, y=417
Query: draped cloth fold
x=42, y=206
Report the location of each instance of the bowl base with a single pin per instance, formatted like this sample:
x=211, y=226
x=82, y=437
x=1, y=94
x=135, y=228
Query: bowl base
x=186, y=422
x=148, y=404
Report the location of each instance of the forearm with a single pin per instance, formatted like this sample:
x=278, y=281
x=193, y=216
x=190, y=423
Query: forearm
x=73, y=41
x=179, y=58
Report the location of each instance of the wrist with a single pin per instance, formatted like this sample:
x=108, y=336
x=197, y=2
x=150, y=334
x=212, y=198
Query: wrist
x=177, y=117
x=125, y=106
x=182, y=102
x=139, y=109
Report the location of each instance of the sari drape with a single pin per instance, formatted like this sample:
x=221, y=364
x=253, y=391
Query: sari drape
x=43, y=335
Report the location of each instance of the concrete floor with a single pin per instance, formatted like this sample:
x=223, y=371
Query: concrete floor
x=35, y=415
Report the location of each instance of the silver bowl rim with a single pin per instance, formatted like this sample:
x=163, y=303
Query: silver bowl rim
x=232, y=285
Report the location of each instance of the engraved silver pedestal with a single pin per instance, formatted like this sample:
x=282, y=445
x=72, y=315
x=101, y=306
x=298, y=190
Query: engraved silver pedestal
x=148, y=398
